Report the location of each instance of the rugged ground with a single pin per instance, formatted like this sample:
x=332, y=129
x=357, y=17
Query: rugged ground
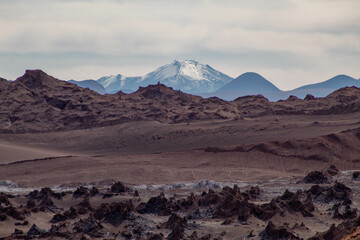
x=55, y=134
x=318, y=206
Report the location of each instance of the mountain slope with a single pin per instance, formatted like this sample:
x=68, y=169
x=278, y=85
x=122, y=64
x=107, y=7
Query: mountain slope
x=188, y=76
x=322, y=89
x=253, y=84
x=249, y=83
x=115, y=83
x=91, y=84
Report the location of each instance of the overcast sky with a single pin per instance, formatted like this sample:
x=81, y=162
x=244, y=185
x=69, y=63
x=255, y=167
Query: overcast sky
x=289, y=42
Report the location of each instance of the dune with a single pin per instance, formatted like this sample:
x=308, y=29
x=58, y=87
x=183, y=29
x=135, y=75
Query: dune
x=14, y=152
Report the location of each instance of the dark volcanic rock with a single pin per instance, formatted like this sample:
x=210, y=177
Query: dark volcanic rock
x=12, y=212
x=156, y=236
x=231, y=203
x=17, y=232
x=69, y=214
x=35, y=230
x=337, y=232
x=175, y=221
x=118, y=187
x=61, y=230
x=42, y=200
x=253, y=193
x=94, y=191
x=4, y=199
x=332, y=170
x=114, y=213
x=337, y=192
x=160, y=205
x=2, y=217
x=88, y=226
x=46, y=191
x=247, y=209
x=356, y=175
x=84, y=206
x=292, y=203
x=176, y=234
x=209, y=198
x=288, y=202
x=227, y=222
x=80, y=192
x=22, y=224
x=273, y=232
x=316, y=177
x=344, y=212
x=265, y=211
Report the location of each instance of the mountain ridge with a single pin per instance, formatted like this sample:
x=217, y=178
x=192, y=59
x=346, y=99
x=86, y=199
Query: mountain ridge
x=188, y=76
x=195, y=78
x=50, y=104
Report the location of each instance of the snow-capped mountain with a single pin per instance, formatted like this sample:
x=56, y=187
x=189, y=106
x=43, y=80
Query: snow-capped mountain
x=188, y=76
x=115, y=83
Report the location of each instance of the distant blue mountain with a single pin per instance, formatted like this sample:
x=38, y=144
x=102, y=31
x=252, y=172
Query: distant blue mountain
x=253, y=84
x=323, y=89
x=91, y=84
x=249, y=83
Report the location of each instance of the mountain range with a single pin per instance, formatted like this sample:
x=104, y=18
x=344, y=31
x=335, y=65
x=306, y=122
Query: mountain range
x=50, y=104
x=253, y=84
x=192, y=77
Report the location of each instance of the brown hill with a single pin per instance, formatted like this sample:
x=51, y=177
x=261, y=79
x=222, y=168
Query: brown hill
x=37, y=102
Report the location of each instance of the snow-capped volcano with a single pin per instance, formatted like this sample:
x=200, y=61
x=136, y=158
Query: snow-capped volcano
x=188, y=76
x=188, y=68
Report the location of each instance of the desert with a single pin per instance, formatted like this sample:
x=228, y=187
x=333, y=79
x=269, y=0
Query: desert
x=162, y=164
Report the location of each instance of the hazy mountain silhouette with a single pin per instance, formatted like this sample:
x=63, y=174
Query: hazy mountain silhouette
x=249, y=83
x=323, y=89
x=254, y=84
x=91, y=84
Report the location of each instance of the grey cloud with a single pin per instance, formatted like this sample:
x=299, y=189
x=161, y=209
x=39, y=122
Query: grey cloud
x=280, y=37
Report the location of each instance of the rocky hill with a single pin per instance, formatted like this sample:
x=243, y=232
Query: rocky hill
x=37, y=102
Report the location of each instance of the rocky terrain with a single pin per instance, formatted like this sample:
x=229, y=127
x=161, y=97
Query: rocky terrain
x=162, y=164
x=311, y=209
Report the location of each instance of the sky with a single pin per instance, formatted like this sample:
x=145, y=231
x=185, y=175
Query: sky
x=289, y=42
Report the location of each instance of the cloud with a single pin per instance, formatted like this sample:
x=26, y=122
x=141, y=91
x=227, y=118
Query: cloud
x=308, y=35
